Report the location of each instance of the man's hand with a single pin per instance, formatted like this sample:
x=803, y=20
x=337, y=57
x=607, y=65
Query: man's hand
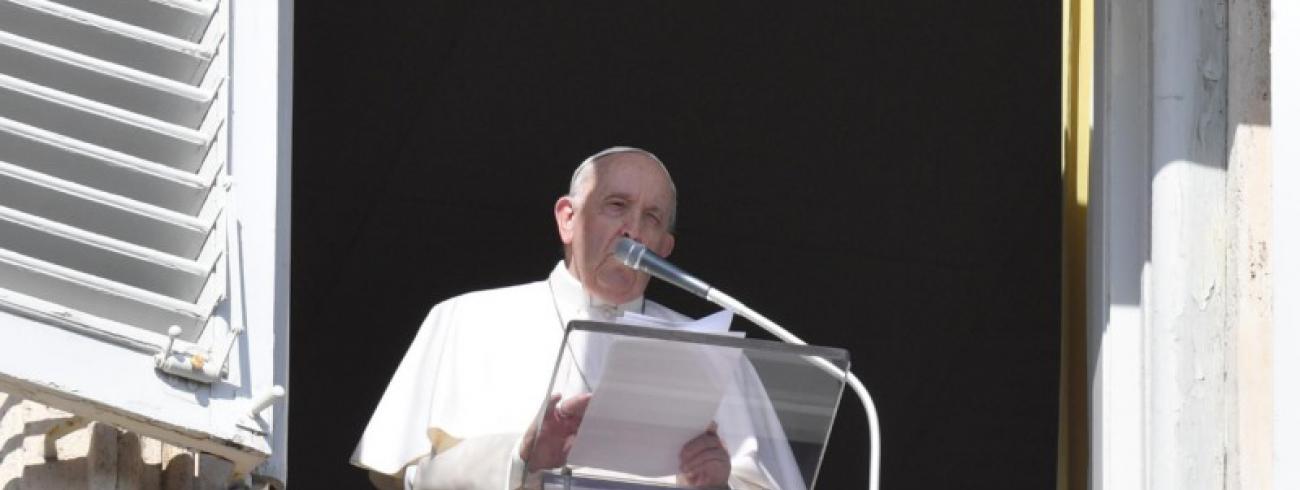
x=548, y=446
x=705, y=462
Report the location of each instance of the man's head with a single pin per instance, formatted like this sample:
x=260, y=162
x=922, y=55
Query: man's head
x=618, y=192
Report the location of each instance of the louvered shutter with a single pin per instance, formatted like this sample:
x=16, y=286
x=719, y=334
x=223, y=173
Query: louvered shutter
x=119, y=220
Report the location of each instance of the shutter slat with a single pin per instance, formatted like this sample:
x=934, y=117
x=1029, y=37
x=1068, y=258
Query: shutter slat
x=94, y=79
x=97, y=296
x=101, y=255
x=120, y=333
x=102, y=124
x=101, y=212
x=106, y=39
x=102, y=168
x=184, y=19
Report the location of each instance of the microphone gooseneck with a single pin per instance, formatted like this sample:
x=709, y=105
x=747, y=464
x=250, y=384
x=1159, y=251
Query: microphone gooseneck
x=636, y=256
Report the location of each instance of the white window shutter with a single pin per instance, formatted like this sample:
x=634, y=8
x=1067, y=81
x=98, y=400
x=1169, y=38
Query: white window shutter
x=122, y=173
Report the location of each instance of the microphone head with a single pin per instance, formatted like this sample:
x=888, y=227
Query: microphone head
x=629, y=252
x=637, y=257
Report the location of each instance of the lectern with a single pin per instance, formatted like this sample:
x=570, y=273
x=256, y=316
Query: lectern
x=652, y=390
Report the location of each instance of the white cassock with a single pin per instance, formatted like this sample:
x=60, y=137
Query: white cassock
x=477, y=373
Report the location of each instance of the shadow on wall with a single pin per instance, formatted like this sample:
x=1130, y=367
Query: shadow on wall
x=93, y=456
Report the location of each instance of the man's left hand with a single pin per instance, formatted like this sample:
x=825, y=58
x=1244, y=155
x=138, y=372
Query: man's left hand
x=546, y=445
x=705, y=462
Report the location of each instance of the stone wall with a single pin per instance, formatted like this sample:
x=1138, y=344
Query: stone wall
x=93, y=456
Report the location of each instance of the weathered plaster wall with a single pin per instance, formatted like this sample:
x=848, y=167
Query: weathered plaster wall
x=1187, y=331
x=1248, y=408
x=1181, y=332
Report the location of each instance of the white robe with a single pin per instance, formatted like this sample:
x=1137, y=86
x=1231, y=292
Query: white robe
x=478, y=371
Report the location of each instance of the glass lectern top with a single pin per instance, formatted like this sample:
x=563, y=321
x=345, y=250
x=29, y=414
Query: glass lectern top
x=650, y=392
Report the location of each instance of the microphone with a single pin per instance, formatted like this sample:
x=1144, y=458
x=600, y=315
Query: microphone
x=636, y=256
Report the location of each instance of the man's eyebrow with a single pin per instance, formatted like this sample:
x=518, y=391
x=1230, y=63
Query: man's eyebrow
x=628, y=196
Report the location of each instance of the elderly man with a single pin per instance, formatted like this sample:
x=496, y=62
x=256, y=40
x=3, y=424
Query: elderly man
x=459, y=411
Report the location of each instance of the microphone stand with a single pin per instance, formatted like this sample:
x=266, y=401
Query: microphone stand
x=873, y=422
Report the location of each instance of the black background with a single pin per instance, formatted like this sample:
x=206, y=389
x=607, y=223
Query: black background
x=880, y=176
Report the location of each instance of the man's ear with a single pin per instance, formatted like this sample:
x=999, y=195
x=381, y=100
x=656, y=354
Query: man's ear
x=666, y=244
x=565, y=214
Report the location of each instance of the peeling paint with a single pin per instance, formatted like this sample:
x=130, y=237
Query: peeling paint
x=1210, y=71
x=1203, y=299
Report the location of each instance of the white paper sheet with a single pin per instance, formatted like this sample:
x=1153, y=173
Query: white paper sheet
x=717, y=323
x=652, y=398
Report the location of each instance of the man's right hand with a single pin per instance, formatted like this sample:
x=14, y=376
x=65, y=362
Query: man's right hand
x=548, y=446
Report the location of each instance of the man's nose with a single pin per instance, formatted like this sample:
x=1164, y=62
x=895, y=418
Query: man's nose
x=632, y=228
x=628, y=232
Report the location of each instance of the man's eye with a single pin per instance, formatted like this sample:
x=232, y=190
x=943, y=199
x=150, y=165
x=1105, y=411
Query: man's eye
x=654, y=218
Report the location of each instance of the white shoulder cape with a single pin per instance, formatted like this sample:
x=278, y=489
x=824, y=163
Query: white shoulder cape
x=492, y=382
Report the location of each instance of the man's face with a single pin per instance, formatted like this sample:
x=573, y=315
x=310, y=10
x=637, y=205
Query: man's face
x=627, y=194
